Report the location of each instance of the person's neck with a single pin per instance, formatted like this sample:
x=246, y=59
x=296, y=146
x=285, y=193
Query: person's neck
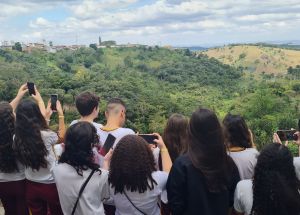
x=112, y=124
x=87, y=119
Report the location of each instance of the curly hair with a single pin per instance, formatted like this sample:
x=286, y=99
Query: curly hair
x=132, y=165
x=175, y=134
x=275, y=185
x=79, y=141
x=28, y=143
x=236, y=131
x=8, y=163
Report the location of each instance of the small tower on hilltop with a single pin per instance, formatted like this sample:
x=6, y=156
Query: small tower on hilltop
x=100, y=41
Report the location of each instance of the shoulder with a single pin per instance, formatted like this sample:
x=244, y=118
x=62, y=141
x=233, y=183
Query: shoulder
x=160, y=176
x=183, y=160
x=49, y=135
x=97, y=125
x=127, y=130
x=73, y=122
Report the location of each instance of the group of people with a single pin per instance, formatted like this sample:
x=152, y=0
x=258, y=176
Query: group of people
x=198, y=166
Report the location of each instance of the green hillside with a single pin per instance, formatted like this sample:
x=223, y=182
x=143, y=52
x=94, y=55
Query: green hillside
x=155, y=82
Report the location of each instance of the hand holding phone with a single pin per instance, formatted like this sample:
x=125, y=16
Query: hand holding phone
x=149, y=138
x=287, y=135
x=54, y=98
x=30, y=86
x=109, y=142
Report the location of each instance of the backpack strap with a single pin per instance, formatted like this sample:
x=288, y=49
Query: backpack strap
x=133, y=204
x=82, y=189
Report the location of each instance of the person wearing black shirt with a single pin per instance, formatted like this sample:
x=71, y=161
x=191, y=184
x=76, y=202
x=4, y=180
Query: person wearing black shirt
x=203, y=180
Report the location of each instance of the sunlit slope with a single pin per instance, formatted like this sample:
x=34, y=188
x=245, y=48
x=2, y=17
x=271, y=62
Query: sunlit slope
x=260, y=59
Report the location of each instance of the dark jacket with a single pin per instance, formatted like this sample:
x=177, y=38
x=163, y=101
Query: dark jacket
x=189, y=195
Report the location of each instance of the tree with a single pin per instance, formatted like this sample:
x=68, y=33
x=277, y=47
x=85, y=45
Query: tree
x=17, y=46
x=93, y=46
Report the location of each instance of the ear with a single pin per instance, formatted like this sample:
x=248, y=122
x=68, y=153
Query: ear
x=106, y=114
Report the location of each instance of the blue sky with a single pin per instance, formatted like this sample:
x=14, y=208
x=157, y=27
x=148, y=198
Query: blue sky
x=162, y=22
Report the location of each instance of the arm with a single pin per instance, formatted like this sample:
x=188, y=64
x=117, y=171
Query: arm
x=61, y=122
x=38, y=98
x=165, y=157
x=177, y=189
x=14, y=103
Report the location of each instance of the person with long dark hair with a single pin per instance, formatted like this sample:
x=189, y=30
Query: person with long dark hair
x=274, y=189
x=12, y=176
x=240, y=145
x=33, y=144
x=203, y=180
x=75, y=166
x=175, y=134
x=135, y=184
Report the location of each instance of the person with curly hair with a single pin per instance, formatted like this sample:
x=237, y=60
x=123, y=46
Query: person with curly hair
x=12, y=176
x=274, y=189
x=203, y=180
x=135, y=184
x=33, y=143
x=239, y=141
x=75, y=166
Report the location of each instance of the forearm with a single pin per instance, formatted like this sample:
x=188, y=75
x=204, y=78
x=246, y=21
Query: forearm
x=61, y=128
x=42, y=108
x=166, y=159
x=14, y=103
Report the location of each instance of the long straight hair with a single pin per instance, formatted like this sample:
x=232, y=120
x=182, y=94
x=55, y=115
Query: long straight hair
x=207, y=149
x=28, y=143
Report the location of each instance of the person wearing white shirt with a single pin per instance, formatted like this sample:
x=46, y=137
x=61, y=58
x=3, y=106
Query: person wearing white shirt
x=275, y=186
x=74, y=168
x=136, y=187
x=33, y=143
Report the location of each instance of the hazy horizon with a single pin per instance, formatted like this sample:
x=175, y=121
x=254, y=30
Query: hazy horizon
x=163, y=22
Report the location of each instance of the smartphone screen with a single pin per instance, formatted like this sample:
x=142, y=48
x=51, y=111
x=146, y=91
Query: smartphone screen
x=109, y=142
x=286, y=135
x=30, y=87
x=149, y=138
x=54, y=98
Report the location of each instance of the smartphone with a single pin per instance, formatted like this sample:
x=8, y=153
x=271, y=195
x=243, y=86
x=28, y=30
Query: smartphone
x=149, y=138
x=30, y=87
x=54, y=98
x=109, y=142
x=287, y=135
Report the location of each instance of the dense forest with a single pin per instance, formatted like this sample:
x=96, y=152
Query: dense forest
x=156, y=82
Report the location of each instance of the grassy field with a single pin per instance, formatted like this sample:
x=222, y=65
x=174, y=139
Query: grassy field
x=256, y=58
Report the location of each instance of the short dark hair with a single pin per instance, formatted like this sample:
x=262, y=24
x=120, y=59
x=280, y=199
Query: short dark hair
x=113, y=102
x=86, y=102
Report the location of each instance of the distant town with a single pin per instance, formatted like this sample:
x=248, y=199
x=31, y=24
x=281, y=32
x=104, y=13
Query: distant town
x=48, y=46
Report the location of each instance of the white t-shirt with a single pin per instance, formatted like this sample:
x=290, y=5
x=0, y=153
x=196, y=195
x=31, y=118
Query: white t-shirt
x=146, y=202
x=243, y=196
x=117, y=133
x=44, y=175
x=15, y=176
x=96, y=125
x=245, y=161
x=68, y=184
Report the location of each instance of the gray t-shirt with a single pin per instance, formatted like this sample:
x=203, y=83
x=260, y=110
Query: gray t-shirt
x=146, y=202
x=44, y=175
x=68, y=184
x=245, y=161
x=243, y=196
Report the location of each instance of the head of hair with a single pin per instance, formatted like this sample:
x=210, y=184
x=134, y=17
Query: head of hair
x=28, y=143
x=207, y=150
x=79, y=141
x=132, y=165
x=236, y=131
x=86, y=102
x=175, y=134
x=275, y=185
x=8, y=162
x=114, y=106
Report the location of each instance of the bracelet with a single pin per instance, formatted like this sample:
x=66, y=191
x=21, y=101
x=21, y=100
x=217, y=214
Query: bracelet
x=61, y=116
x=163, y=150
